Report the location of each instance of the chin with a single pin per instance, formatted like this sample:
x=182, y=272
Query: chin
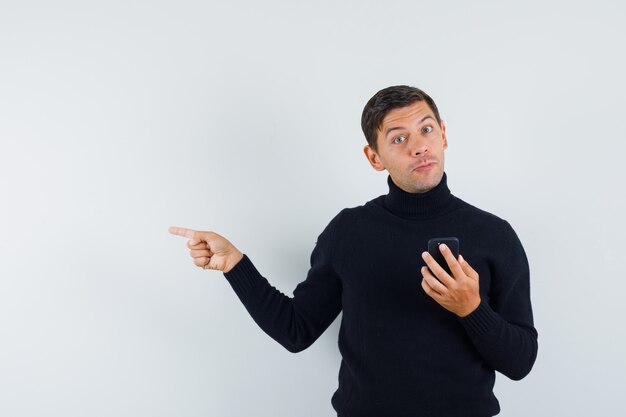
x=429, y=183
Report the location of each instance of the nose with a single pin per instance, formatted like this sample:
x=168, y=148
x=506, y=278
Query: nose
x=418, y=147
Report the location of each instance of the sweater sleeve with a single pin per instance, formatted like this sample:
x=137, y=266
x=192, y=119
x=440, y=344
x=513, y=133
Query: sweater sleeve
x=294, y=322
x=502, y=330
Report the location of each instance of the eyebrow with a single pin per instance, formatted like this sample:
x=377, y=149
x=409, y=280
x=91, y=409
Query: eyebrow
x=391, y=129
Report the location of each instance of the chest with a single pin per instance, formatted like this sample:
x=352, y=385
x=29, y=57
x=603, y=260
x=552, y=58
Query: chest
x=381, y=267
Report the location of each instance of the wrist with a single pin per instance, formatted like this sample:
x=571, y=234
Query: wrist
x=470, y=309
x=233, y=260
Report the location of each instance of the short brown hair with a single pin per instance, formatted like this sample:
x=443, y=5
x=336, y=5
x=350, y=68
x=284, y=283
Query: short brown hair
x=386, y=100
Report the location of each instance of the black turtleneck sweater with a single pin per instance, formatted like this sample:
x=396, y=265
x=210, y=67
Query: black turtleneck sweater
x=402, y=353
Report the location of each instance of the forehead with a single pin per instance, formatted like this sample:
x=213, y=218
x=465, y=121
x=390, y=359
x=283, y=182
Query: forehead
x=406, y=115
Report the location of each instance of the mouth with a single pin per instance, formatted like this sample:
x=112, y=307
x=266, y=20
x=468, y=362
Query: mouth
x=424, y=166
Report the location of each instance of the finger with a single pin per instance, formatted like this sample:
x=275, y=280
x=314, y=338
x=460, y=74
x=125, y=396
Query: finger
x=200, y=253
x=431, y=293
x=211, y=264
x=202, y=261
x=467, y=268
x=437, y=270
x=181, y=231
x=214, y=265
x=455, y=268
x=433, y=282
x=198, y=245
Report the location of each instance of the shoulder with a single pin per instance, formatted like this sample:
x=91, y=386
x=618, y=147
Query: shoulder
x=350, y=220
x=477, y=214
x=348, y=216
x=356, y=214
x=490, y=226
x=487, y=225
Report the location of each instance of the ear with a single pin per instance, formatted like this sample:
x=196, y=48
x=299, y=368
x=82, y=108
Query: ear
x=443, y=135
x=373, y=158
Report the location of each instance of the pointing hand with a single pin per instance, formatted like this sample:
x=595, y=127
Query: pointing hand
x=209, y=250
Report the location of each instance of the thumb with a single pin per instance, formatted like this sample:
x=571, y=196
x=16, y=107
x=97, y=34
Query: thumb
x=199, y=236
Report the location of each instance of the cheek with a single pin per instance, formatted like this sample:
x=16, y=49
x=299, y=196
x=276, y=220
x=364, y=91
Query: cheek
x=441, y=146
x=444, y=142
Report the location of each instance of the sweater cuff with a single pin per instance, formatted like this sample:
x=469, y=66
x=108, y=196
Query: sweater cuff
x=243, y=276
x=481, y=321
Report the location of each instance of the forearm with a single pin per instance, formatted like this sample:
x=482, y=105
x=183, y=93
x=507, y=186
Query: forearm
x=295, y=322
x=510, y=349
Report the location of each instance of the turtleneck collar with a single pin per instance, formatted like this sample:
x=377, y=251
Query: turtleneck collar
x=432, y=203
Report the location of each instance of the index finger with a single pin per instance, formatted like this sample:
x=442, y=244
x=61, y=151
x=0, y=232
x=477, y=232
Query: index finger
x=453, y=263
x=181, y=231
x=437, y=270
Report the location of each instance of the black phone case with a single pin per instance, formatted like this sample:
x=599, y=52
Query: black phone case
x=433, y=249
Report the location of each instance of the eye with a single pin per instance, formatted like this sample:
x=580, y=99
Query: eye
x=399, y=139
x=427, y=129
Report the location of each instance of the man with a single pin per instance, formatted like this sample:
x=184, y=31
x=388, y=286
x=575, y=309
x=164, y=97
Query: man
x=413, y=342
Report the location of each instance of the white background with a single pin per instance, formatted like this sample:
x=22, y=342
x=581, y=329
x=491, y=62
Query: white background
x=121, y=118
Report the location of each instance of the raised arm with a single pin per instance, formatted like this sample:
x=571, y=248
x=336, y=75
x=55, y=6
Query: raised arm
x=294, y=322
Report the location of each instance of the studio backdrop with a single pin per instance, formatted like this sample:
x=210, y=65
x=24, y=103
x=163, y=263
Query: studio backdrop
x=119, y=119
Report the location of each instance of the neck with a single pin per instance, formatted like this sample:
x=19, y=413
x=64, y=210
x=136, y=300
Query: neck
x=431, y=203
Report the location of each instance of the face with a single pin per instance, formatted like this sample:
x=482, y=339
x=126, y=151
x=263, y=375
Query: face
x=410, y=147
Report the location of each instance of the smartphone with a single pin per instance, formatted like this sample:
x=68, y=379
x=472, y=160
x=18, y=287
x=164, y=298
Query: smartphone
x=433, y=250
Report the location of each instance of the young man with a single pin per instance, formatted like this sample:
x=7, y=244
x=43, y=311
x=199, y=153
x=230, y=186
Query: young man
x=413, y=342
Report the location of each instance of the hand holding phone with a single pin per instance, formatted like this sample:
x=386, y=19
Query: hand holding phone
x=433, y=249
x=459, y=294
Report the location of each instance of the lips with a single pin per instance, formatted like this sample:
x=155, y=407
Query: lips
x=424, y=166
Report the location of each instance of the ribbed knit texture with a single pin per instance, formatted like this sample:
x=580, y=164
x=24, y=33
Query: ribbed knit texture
x=402, y=353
